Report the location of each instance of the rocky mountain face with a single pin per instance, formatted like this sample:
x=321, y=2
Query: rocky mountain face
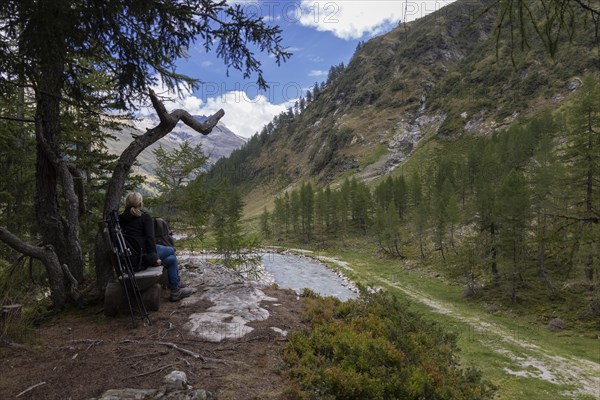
x=440, y=78
x=219, y=143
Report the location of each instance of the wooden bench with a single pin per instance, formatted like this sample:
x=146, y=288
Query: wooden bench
x=148, y=282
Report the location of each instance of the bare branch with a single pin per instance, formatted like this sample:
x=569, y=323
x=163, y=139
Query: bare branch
x=203, y=127
x=30, y=388
x=594, y=220
x=17, y=119
x=181, y=115
x=47, y=256
x=160, y=108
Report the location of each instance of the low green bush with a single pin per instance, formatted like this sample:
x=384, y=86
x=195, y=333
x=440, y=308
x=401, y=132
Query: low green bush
x=375, y=348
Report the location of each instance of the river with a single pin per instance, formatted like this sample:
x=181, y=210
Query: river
x=298, y=272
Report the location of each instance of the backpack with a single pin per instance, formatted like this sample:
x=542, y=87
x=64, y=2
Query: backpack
x=162, y=233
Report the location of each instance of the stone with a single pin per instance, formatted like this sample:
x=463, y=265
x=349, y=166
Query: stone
x=469, y=292
x=128, y=394
x=282, y=332
x=574, y=84
x=556, y=324
x=176, y=380
x=492, y=309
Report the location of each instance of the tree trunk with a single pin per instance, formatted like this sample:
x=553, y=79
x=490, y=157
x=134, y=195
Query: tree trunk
x=62, y=234
x=46, y=254
x=61, y=231
x=494, y=250
x=168, y=121
x=515, y=272
x=589, y=201
x=542, y=253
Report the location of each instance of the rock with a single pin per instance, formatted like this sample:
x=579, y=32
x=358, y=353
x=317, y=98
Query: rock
x=282, y=332
x=128, y=394
x=574, y=84
x=556, y=324
x=176, y=380
x=175, y=388
x=595, y=307
x=469, y=292
x=198, y=394
x=492, y=309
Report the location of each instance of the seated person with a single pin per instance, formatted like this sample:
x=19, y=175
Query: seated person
x=138, y=230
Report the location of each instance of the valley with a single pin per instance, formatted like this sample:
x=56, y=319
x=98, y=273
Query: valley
x=518, y=353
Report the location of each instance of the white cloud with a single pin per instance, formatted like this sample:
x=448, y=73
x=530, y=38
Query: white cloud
x=317, y=72
x=243, y=115
x=351, y=19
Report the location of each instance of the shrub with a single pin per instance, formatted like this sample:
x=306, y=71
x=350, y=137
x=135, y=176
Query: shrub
x=375, y=348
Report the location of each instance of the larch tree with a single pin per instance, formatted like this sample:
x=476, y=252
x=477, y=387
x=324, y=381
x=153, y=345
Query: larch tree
x=175, y=170
x=582, y=157
x=51, y=47
x=514, y=206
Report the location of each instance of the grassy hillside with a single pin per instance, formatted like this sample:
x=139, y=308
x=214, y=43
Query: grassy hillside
x=439, y=78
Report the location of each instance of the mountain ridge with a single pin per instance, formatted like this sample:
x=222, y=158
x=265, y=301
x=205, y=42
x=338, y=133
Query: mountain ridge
x=438, y=78
x=219, y=143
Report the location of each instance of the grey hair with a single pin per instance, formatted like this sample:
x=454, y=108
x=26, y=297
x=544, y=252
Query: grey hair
x=134, y=203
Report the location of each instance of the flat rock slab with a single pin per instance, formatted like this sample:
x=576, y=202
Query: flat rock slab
x=236, y=302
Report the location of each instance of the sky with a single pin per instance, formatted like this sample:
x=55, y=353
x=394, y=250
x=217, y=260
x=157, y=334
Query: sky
x=319, y=33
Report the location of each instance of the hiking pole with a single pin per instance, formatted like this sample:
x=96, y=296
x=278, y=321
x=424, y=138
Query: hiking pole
x=125, y=268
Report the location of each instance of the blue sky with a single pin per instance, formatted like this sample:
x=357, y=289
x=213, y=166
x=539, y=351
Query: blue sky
x=319, y=33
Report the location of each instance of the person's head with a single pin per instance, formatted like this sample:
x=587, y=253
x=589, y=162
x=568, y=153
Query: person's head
x=134, y=203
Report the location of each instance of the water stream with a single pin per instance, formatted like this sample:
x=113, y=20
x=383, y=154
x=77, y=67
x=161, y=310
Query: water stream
x=297, y=272
x=236, y=301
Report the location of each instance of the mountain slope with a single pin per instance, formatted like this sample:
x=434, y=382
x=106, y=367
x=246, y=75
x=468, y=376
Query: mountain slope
x=437, y=79
x=219, y=143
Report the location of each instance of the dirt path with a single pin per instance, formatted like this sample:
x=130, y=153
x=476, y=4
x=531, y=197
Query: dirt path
x=528, y=359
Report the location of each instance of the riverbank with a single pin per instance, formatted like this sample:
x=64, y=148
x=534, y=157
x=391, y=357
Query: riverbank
x=522, y=357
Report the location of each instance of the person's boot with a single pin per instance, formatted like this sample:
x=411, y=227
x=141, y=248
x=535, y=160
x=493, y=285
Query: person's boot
x=180, y=293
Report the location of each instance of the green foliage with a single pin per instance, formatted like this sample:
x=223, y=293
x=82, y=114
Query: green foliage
x=176, y=170
x=331, y=211
x=178, y=167
x=17, y=181
x=195, y=205
x=387, y=229
x=239, y=251
x=515, y=214
x=375, y=348
x=22, y=283
x=552, y=22
x=78, y=60
x=265, y=223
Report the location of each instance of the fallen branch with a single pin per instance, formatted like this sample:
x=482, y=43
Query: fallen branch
x=92, y=342
x=150, y=372
x=216, y=360
x=168, y=344
x=141, y=355
x=30, y=388
x=184, y=351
